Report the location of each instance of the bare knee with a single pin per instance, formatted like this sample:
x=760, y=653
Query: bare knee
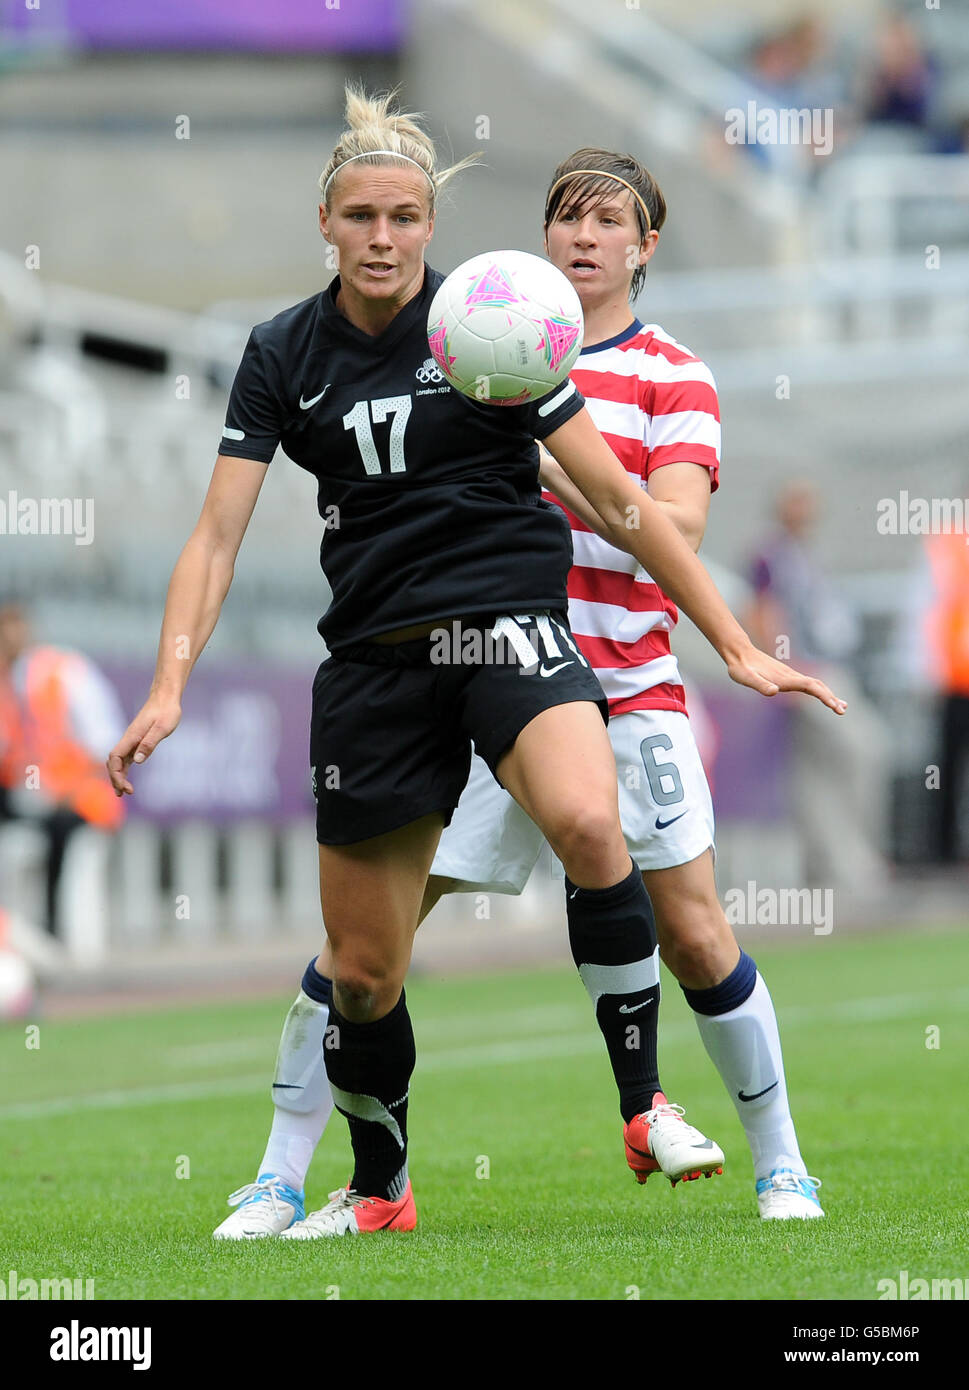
x=365, y=987
x=589, y=843
x=696, y=943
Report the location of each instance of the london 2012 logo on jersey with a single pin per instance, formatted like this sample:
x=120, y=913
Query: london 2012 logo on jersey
x=429, y=371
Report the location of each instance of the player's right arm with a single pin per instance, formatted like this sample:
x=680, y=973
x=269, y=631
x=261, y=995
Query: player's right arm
x=196, y=592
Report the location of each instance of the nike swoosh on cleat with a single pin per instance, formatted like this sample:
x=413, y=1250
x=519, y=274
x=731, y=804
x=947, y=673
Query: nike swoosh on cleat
x=662, y=824
x=286, y=1086
x=307, y=405
x=757, y=1094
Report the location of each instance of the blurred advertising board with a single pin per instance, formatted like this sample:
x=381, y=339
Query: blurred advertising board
x=373, y=26
x=242, y=748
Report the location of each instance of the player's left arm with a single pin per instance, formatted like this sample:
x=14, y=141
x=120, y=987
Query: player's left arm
x=682, y=490
x=638, y=524
x=556, y=481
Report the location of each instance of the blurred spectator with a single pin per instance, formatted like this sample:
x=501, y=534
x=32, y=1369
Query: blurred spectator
x=790, y=71
x=901, y=87
x=949, y=638
x=841, y=764
x=58, y=717
x=793, y=596
x=786, y=62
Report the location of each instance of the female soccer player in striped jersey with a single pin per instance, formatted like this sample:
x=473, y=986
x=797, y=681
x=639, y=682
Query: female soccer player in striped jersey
x=397, y=726
x=656, y=405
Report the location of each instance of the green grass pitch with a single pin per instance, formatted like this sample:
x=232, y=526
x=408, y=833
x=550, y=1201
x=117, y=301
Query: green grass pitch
x=516, y=1150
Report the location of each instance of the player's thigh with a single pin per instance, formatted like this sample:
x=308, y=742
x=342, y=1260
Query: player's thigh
x=371, y=894
x=491, y=845
x=537, y=717
x=561, y=771
x=434, y=890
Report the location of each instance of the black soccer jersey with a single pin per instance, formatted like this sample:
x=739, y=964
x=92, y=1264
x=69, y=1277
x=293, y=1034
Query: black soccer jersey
x=432, y=500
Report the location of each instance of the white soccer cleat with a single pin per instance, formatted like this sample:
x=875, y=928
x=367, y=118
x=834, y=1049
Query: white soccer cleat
x=347, y=1213
x=787, y=1195
x=265, y=1207
x=660, y=1140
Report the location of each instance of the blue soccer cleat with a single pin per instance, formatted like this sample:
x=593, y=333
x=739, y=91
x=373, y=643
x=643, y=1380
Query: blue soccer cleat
x=266, y=1207
x=786, y=1195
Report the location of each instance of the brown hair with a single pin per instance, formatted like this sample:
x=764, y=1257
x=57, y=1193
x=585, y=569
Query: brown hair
x=588, y=188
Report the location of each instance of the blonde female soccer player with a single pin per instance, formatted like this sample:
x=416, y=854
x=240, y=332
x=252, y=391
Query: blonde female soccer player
x=440, y=520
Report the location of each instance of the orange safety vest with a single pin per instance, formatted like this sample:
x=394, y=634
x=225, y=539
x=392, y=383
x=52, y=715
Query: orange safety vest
x=68, y=773
x=12, y=760
x=949, y=619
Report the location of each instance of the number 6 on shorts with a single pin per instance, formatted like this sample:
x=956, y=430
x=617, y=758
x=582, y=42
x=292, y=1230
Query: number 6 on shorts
x=656, y=770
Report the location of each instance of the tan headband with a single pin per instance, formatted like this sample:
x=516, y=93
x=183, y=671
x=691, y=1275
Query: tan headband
x=602, y=174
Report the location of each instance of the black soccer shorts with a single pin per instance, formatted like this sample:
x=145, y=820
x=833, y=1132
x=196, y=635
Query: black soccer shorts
x=392, y=725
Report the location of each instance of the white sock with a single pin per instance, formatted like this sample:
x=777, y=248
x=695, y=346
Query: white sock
x=745, y=1048
x=302, y=1102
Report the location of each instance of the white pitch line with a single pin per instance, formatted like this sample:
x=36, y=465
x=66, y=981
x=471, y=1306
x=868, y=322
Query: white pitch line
x=573, y=1044
x=568, y=1045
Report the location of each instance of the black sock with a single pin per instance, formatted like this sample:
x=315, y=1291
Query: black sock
x=613, y=938
x=369, y=1066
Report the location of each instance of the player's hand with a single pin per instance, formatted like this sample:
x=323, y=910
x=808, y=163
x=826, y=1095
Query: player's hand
x=156, y=719
x=768, y=676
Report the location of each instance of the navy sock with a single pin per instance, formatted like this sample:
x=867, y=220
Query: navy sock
x=369, y=1066
x=613, y=938
x=728, y=994
x=317, y=986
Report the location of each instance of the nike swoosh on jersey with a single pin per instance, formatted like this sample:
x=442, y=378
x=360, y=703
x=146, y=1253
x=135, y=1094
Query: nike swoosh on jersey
x=550, y=671
x=662, y=824
x=757, y=1094
x=307, y=405
x=232, y=434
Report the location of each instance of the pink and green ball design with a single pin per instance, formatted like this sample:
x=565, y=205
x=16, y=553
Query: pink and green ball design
x=437, y=341
x=560, y=336
x=492, y=290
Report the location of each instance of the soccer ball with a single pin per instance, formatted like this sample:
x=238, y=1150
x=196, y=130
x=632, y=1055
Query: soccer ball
x=505, y=328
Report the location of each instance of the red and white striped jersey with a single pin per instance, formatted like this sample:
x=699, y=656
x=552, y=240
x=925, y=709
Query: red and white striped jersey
x=654, y=403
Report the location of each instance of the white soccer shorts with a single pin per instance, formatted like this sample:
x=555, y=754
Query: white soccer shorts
x=664, y=806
